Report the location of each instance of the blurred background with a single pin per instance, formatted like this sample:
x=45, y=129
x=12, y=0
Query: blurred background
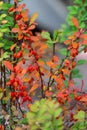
x=52, y=13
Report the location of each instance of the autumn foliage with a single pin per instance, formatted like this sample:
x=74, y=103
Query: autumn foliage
x=31, y=74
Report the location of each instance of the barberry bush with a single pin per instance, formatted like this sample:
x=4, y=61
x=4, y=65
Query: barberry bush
x=27, y=74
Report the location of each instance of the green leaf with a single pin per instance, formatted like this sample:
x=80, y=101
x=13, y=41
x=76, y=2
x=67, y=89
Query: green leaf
x=81, y=62
x=20, y=0
x=57, y=112
x=24, y=121
x=5, y=55
x=15, y=119
x=59, y=121
x=46, y=35
x=80, y=76
x=82, y=126
x=80, y=115
x=34, y=108
x=55, y=35
x=5, y=30
x=6, y=6
x=50, y=43
x=66, y=83
x=72, y=95
x=75, y=71
x=2, y=16
x=63, y=51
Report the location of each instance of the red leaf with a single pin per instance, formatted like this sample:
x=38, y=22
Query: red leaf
x=48, y=93
x=15, y=30
x=8, y=65
x=84, y=36
x=75, y=22
x=67, y=41
x=85, y=42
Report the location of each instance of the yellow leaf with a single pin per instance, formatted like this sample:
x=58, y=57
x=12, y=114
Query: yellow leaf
x=4, y=21
x=1, y=34
x=50, y=88
x=1, y=3
x=33, y=18
x=44, y=87
x=1, y=95
x=26, y=79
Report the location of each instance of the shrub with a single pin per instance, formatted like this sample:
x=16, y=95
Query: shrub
x=26, y=73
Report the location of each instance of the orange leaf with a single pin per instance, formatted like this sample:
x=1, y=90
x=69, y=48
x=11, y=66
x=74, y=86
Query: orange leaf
x=15, y=1
x=18, y=128
x=75, y=22
x=18, y=66
x=43, y=47
x=84, y=98
x=25, y=15
x=32, y=27
x=29, y=105
x=48, y=94
x=75, y=45
x=67, y=41
x=41, y=63
x=34, y=87
x=8, y=65
x=34, y=38
x=51, y=64
x=55, y=59
x=12, y=47
x=23, y=72
x=66, y=71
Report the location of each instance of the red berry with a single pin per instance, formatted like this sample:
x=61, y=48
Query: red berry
x=20, y=94
x=34, y=52
x=15, y=55
x=30, y=68
x=18, y=16
x=23, y=61
x=13, y=94
x=11, y=9
x=19, y=55
x=22, y=88
x=12, y=80
x=23, y=45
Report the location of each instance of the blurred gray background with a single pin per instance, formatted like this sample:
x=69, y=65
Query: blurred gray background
x=52, y=13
